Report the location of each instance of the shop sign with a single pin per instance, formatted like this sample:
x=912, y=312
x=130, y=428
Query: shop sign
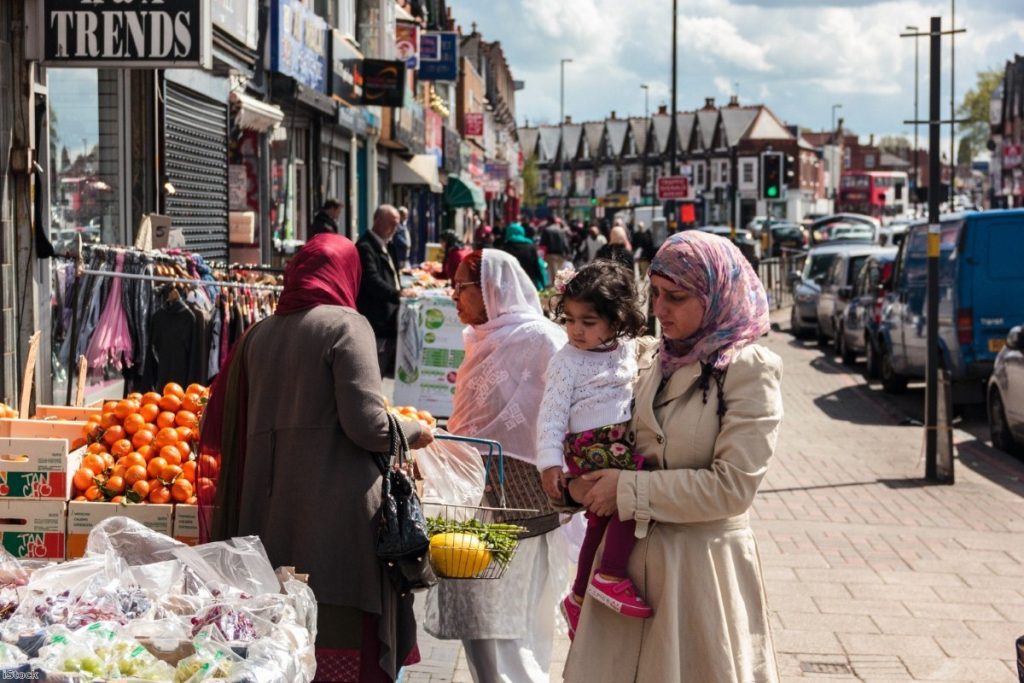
x=434, y=136
x=383, y=82
x=473, y=123
x=407, y=44
x=87, y=33
x=346, y=70
x=1012, y=156
x=673, y=187
x=237, y=18
x=430, y=351
x=439, y=56
x=496, y=169
x=618, y=200
x=452, y=142
x=352, y=118
x=299, y=44
x=579, y=202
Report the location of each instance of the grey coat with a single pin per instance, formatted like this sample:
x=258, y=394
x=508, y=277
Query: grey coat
x=311, y=489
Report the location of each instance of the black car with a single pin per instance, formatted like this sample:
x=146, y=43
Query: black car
x=748, y=246
x=789, y=236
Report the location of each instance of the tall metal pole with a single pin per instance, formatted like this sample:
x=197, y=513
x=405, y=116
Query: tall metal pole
x=561, y=138
x=647, y=91
x=673, y=133
x=952, y=100
x=934, y=187
x=917, y=92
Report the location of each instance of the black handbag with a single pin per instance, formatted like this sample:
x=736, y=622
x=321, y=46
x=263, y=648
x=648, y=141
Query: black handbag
x=402, y=542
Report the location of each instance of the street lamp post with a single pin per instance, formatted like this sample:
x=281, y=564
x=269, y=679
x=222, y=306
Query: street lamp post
x=647, y=91
x=917, y=161
x=834, y=107
x=561, y=135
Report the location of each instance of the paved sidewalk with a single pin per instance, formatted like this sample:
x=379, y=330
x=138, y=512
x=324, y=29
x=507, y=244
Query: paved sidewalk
x=871, y=574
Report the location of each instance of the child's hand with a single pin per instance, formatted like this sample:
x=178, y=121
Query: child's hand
x=552, y=481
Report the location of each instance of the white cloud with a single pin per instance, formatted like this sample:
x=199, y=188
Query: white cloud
x=716, y=39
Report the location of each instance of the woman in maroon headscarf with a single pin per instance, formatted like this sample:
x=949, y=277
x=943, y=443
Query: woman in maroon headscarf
x=294, y=418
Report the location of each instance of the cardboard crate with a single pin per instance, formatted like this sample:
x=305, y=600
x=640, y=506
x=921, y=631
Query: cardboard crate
x=83, y=516
x=69, y=430
x=37, y=468
x=186, y=523
x=78, y=414
x=33, y=528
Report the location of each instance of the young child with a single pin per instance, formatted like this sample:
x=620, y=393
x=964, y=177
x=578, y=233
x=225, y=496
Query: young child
x=584, y=422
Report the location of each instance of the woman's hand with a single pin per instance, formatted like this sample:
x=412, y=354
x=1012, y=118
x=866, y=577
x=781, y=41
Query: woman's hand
x=578, y=489
x=425, y=438
x=553, y=482
x=601, y=498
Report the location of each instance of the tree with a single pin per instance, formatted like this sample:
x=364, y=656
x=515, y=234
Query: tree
x=895, y=144
x=530, y=180
x=975, y=108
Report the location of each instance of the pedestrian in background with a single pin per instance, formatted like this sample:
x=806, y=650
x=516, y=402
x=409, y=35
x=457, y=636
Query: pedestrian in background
x=589, y=246
x=380, y=291
x=257, y=423
x=555, y=240
x=483, y=237
x=454, y=252
x=643, y=248
x=401, y=244
x=706, y=415
x=618, y=248
x=506, y=625
x=326, y=219
x=525, y=251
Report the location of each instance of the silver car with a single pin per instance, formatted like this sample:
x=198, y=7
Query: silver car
x=806, y=285
x=1006, y=395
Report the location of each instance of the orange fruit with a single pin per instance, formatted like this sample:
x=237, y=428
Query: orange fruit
x=115, y=484
x=114, y=433
x=109, y=420
x=170, y=473
x=91, y=430
x=171, y=454
x=83, y=478
x=150, y=398
x=165, y=437
x=118, y=471
x=185, y=448
x=146, y=452
x=108, y=460
x=117, y=499
x=186, y=418
x=94, y=462
x=188, y=471
x=133, y=458
x=165, y=419
x=192, y=501
x=141, y=487
x=149, y=412
x=98, y=447
x=141, y=438
x=160, y=496
x=93, y=493
x=196, y=389
x=185, y=433
x=170, y=403
x=109, y=406
x=133, y=423
x=80, y=499
x=181, y=490
x=134, y=396
x=174, y=389
x=209, y=466
x=121, y=448
x=135, y=473
x=156, y=466
x=125, y=408
x=78, y=443
x=191, y=402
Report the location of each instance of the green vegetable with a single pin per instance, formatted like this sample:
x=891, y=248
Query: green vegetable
x=501, y=539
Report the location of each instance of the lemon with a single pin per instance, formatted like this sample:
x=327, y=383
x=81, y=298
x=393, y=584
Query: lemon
x=459, y=555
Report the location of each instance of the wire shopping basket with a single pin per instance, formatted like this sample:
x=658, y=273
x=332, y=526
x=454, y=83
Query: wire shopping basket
x=475, y=541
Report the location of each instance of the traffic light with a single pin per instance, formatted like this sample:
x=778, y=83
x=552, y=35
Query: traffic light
x=771, y=175
x=593, y=197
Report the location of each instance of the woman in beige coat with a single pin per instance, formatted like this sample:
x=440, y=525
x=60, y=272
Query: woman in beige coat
x=706, y=416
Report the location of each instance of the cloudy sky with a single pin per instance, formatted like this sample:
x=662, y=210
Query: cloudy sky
x=799, y=57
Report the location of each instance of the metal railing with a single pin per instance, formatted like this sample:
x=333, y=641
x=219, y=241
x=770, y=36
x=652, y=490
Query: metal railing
x=774, y=273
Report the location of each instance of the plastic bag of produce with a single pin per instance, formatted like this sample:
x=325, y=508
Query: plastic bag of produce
x=130, y=540
x=12, y=661
x=453, y=474
x=213, y=660
x=100, y=651
x=237, y=566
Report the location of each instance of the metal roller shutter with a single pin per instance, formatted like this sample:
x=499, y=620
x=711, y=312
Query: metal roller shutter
x=196, y=164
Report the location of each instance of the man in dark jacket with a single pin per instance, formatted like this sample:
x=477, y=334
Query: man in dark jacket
x=555, y=240
x=643, y=247
x=380, y=289
x=326, y=219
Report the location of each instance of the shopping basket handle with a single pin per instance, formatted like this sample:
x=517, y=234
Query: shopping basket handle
x=492, y=446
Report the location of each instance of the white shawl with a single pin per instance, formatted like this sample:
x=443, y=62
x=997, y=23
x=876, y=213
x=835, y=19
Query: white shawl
x=501, y=380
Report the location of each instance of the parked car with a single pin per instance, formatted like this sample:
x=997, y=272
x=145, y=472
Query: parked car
x=893, y=233
x=821, y=229
x=750, y=247
x=756, y=224
x=837, y=290
x=981, y=294
x=1006, y=395
x=859, y=326
x=806, y=285
x=787, y=236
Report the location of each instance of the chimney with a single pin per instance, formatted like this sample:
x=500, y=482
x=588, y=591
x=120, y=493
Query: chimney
x=613, y=114
x=568, y=119
x=663, y=109
x=734, y=101
x=709, y=102
x=871, y=140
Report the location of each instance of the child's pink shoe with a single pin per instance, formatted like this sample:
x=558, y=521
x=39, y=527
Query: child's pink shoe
x=571, y=611
x=621, y=596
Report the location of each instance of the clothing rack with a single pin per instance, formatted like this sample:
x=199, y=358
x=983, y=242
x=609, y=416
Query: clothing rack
x=180, y=281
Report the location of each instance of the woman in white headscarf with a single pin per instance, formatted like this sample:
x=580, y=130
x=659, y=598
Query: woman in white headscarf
x=506, y=625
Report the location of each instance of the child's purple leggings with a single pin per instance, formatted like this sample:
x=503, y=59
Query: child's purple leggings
x=619, y=542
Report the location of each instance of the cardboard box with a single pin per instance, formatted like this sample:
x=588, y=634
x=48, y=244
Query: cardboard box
x=78, y=414
x=241, y=227
x=69, y=430
x=83, y=516
x=37, y=468
x=33, y=528
x=186, y=523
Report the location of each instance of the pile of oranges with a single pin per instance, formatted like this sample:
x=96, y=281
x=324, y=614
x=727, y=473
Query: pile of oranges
x=411, y=413
x=143, y=449
x=7, y=411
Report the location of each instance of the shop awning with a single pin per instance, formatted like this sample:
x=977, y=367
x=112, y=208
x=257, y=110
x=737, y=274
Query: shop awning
x=420, y=170
x=462, y=192
x=252, y=114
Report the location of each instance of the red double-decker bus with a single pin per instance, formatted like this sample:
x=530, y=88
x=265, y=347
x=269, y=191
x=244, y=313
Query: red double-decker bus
x=880, y=194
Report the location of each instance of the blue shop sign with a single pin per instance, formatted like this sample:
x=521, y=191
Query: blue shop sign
x=439, y=56
x=299, y=44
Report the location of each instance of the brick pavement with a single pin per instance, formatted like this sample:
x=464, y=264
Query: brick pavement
x=871, y=574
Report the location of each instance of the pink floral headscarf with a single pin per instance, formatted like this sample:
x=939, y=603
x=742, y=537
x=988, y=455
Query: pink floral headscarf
x=735, y=304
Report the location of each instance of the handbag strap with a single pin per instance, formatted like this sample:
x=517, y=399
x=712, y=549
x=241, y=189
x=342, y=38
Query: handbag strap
x=398, y=448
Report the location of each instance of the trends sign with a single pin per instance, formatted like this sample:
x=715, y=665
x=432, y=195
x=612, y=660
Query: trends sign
x=125, y=33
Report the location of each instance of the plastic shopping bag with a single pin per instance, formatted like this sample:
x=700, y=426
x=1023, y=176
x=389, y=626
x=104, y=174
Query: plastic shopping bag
x=453, y=473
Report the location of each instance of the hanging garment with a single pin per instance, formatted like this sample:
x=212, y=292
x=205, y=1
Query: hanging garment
x=172, y=334
x=111, y=342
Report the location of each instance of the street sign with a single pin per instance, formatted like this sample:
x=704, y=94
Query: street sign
x=673, y=187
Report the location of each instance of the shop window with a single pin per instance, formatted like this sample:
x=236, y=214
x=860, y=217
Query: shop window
x=289, y=204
